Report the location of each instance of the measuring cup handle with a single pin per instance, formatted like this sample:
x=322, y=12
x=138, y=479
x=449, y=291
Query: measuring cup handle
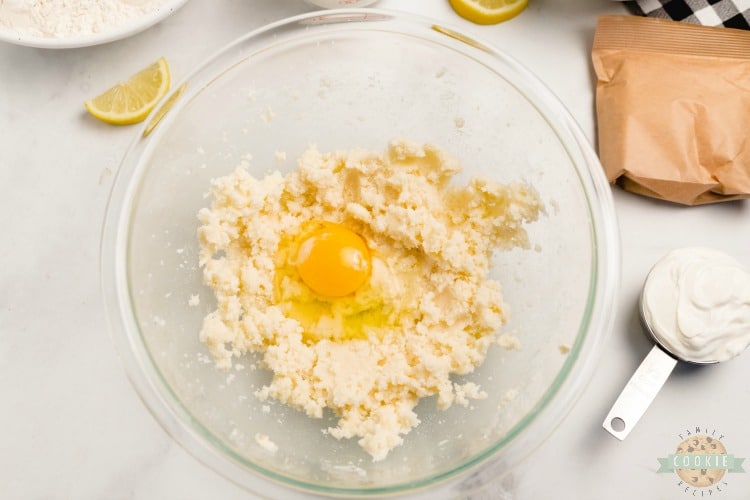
x=639, y=392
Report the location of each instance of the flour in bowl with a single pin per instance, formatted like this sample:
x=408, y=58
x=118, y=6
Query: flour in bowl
x=69, y=18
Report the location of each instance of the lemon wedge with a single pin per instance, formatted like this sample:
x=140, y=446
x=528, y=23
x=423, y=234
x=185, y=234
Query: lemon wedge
x=132, y=101
x=488, y=11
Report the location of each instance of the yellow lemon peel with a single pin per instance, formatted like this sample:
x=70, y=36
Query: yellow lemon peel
x=132, y=101
x=488, y=11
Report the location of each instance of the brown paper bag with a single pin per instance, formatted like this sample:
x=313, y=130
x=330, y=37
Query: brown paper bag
x=673, y=108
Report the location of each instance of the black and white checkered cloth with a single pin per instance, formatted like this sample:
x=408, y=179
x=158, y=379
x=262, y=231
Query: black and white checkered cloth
x=728, y=13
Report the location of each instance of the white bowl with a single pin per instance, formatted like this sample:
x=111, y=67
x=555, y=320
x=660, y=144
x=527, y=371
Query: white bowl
x=21, y=36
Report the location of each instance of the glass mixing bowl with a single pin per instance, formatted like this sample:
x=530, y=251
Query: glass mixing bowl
x=343, y=79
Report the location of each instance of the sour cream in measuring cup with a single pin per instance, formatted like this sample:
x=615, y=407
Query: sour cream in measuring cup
x=697, y=301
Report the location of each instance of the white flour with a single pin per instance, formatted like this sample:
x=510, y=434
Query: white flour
x=68, y=18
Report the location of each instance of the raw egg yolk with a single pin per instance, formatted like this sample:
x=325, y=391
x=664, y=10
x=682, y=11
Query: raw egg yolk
x=333, y=260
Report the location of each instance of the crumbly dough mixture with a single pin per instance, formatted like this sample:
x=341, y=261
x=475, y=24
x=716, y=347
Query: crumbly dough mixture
x=431, y=245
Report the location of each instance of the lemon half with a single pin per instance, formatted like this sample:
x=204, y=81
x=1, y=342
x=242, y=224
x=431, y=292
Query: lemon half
x=132, y=101
x=488, y=11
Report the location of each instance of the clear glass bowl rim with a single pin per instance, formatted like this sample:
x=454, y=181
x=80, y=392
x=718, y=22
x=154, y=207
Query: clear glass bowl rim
x=536, y=426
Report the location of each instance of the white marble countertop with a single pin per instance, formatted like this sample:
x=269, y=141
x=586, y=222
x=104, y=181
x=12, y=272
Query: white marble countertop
x=71, y=425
